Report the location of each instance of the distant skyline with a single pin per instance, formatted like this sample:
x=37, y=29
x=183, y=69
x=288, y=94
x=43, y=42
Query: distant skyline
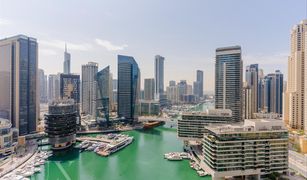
x=186, y=33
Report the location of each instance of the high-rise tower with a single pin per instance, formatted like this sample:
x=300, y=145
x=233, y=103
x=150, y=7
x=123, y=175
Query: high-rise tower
x=149, y=89
x=128, y=88
x=19, y=97
x=88, y=83
x=251, y=77
x=295, y=105
x=228, y=80
x=66, y=61
x=159, y=76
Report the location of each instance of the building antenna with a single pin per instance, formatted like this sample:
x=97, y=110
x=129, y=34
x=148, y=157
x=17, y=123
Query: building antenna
x=65, y=47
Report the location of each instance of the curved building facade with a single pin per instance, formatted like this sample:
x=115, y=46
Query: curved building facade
x=7, y=140
x=61, y=124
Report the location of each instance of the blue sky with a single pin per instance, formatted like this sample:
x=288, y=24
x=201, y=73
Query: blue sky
x=185, y=32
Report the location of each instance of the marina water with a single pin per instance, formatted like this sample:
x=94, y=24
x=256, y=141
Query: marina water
x=143, y=159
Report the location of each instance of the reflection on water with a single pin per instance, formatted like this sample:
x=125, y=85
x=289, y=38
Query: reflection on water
x=69, y=154
x=141, y=160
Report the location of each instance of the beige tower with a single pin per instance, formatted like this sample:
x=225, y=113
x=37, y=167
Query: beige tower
x=295, y=111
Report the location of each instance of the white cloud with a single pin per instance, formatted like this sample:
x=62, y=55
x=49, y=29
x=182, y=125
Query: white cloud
x=4, y=22
x=61, y=45
x=47, y=52
x=109, y=46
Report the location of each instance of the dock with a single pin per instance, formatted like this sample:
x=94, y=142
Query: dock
x=94, y=139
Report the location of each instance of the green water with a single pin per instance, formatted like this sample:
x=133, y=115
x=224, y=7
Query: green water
x=141, y=160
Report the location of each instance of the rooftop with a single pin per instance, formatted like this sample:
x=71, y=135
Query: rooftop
x=229, y=48
x=210, y=112
x=20, y=36
x=249, y=125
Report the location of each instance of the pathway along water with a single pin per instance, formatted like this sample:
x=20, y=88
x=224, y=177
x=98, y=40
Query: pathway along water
x=142, y=160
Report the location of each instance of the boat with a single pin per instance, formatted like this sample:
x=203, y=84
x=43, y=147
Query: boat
x=42, y=162
x=28, y=173
x=202, y=173
x=36, y=164
x=114, y=148
x=152, y=124
x=174, y=158
x=36, y=170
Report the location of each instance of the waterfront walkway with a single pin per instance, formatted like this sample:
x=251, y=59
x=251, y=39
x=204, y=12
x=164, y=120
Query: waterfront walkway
x=17, y=162
x=95, y=139
x=298, y=162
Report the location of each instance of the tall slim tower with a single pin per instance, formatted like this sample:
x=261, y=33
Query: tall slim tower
x=251, y=77
x=19, y=91
x=88, y=83
x=53, y=87
x=200, y=79
x=159, y=76
x=198, y=85
x=42, y=86
x=228, y=80
x=295, y=106
x=104, y=93
x=128, y=88
x=149, y=89
x=66, y=61
x=276, y=92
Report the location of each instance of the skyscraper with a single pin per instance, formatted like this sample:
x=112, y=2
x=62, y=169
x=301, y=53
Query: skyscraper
x=104, y=93
x=128, y=88
x=200, y=80
x=251, y=77
x=295, y=110
x=70, y=87
x=276, y=92
x=228, y=80
x=53, y=87
x=182, y=88
x=271, y=90
x=246, y=100
x=42, y=86
x=159, y=75
x=19, y=97
x=172, y=93
x=88, y=99
x=149, y=89
x=114, y=98
x=66, y=61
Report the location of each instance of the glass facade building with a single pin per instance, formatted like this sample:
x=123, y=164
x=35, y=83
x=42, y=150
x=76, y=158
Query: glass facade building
x=104, y=93
x=128, y=88
x=228, y=80
x=70, y=87
x=19, y=96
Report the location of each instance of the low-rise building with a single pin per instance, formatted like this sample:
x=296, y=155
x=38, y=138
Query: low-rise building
x=192, y=125
x=148, y=108
x=8, y=138
x=256, y=148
